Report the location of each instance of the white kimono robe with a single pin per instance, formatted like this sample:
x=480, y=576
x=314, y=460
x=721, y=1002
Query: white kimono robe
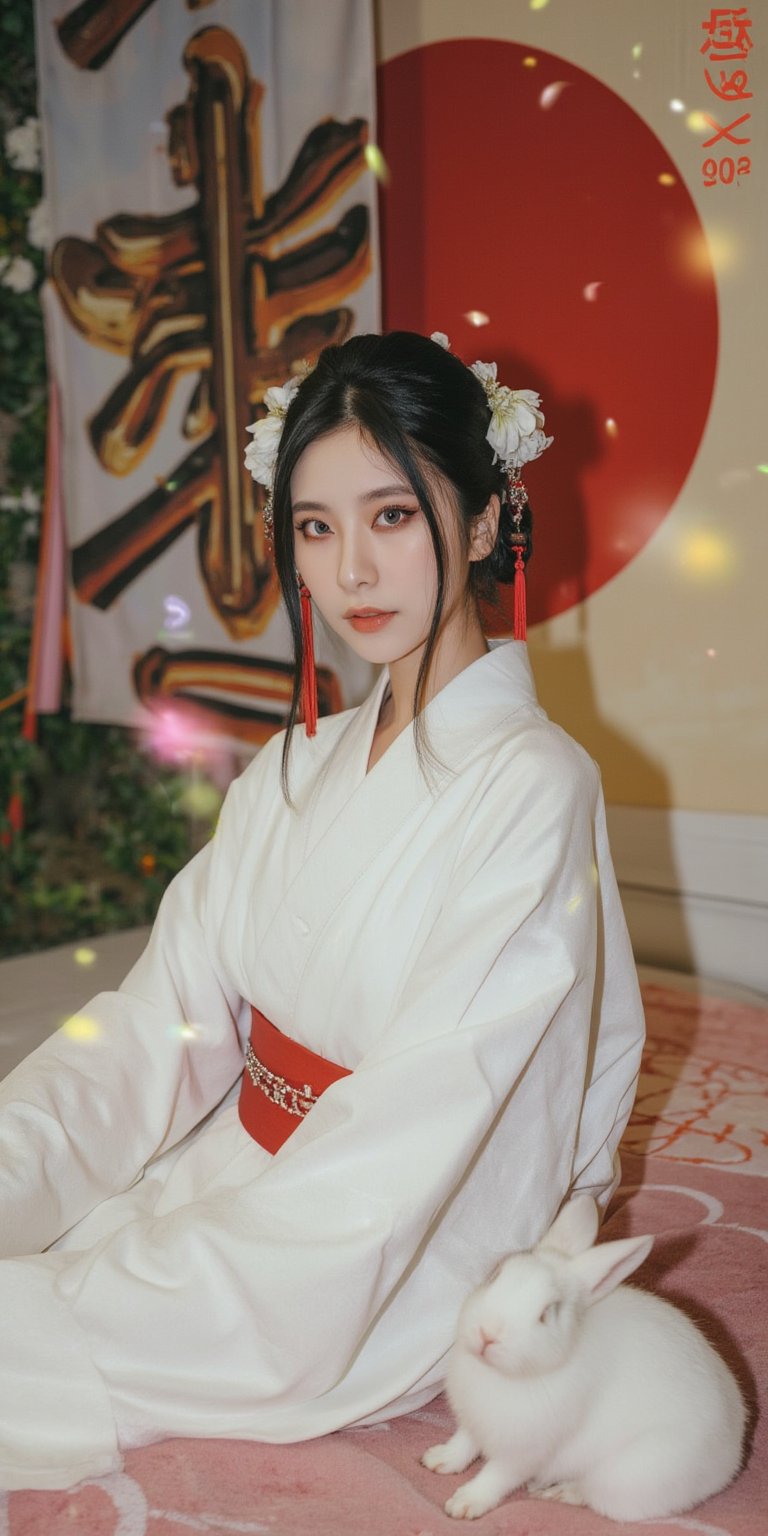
x=460, y=945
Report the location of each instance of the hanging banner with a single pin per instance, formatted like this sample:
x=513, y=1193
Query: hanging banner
x=214, y=227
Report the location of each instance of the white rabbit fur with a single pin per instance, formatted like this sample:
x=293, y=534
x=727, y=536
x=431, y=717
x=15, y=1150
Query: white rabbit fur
x=586, y=1390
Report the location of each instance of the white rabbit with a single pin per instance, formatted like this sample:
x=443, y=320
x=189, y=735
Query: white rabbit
x=584, y=1392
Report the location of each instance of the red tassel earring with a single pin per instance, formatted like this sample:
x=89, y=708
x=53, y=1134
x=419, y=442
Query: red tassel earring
x=517, y=497
x=308, y=673
x=520, y=623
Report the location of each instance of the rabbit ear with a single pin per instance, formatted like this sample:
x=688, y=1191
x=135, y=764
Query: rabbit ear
x=575, y=1228
x=604, y=1267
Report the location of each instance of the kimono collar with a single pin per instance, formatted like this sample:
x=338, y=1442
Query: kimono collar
x=472, y=704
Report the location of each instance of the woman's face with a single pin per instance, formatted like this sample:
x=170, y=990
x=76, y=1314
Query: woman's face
x=364, y=549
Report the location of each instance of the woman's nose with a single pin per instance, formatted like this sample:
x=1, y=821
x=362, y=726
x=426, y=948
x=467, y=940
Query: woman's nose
x=356, y=564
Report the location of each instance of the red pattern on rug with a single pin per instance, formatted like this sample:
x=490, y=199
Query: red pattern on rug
x=701, y=1119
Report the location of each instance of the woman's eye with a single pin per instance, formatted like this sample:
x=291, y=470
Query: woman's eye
x=392, y=517
x=313, y=528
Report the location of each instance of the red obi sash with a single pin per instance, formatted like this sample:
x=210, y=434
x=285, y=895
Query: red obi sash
x=281, y=1082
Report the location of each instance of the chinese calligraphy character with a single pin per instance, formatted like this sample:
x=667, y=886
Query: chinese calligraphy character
x=732, y=87
x=728, y=29
x=211, y=292
x=726, y=133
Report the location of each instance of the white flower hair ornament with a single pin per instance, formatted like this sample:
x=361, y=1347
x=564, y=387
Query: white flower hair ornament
x=261, y=454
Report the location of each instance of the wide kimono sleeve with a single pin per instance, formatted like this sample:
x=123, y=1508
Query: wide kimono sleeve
x=136, y=1070
x=456, y=1137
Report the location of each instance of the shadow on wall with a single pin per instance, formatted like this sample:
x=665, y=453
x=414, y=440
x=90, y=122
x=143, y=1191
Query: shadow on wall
x=565, y=689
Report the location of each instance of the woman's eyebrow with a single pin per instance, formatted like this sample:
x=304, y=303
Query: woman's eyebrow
x=375, y=495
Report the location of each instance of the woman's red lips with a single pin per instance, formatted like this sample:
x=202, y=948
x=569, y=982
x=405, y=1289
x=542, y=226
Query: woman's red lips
x=367, y=620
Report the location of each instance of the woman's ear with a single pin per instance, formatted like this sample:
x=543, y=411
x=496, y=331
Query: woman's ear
x=485, y=528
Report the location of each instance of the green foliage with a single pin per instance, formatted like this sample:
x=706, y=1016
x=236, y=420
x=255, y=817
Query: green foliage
x=105, y=826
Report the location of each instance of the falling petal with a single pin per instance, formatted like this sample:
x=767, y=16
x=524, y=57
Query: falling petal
x=551, y=93
x=375, y=161
x=176, y=613
x=591, y=291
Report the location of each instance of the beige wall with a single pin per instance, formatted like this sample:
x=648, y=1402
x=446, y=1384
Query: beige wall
x=629, y=672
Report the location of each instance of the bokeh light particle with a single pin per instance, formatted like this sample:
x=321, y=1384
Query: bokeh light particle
x=711, y=652
x=676, y=105
x=637, y=50
x=762, y=469
x=84, y=956
x=590, y=291
x=721, y=250
x=80, y=1027
x=537, y=5
x=696, y=121
x=529, y=62
x=706, y=554
x=375, y=161
x=666, y=179
x=477, y=317
x=201, y=800
x=611, y=427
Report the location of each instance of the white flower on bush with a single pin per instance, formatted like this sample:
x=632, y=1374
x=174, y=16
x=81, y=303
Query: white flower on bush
x=515, y=433
x=18, y=273
x=39, y=231
x=441, y=339
x=23, y=145
x=261, y=454
x=28, y=501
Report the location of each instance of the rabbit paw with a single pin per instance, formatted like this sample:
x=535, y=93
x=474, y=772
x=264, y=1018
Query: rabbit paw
x=454, y=1456
x=564, y=1493
x=466, y=1506
x=476, y=1497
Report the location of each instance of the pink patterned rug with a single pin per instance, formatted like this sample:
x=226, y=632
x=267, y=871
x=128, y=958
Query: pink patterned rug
x=695, y=1159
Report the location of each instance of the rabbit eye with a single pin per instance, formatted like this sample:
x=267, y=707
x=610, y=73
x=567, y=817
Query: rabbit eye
x=550, y=1313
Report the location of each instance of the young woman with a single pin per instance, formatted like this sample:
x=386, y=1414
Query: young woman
x=411, y=910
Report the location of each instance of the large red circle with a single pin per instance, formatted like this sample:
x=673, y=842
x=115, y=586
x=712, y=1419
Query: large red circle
x=505, y=203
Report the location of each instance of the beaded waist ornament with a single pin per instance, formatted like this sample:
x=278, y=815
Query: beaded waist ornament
x=281, y=1082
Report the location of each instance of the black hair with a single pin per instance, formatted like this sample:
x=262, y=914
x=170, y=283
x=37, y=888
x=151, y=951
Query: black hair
x=423, y=409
